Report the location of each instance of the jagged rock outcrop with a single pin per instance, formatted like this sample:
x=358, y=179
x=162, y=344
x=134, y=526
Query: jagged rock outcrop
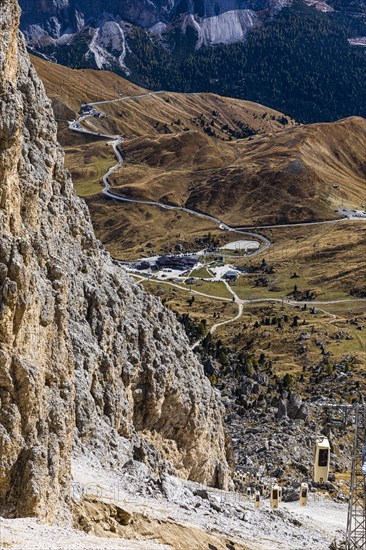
x=89, y=362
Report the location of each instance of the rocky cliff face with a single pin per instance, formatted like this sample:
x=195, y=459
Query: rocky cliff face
x=58, y=16
x=89, y=363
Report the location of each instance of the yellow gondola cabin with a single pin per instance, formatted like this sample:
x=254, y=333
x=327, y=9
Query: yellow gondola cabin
x=321, y=461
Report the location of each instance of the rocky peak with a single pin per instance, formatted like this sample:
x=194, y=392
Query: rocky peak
x=89, y=362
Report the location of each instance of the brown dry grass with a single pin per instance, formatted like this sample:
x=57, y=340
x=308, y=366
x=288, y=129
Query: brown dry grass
x=286, y=173
x=130, y=231
x=328, y=258
x=160, y=114
x=283, y=177
x=283, y=346
x=75, y=86
x=280, y=346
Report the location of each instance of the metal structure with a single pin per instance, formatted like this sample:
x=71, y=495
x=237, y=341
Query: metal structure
x=344, y=416
x=356, y=522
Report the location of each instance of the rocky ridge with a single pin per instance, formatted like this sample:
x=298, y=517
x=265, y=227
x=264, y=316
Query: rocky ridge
x=89, y=363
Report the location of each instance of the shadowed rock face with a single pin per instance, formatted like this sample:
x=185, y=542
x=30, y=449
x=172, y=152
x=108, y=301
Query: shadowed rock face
x=102, y=34
x=93, y=34
x=89, y=363
x=144, y=13
x=68, y=12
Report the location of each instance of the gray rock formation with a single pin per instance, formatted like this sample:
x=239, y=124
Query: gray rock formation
x=88, y=361
x=282, y=409
x=296, y=409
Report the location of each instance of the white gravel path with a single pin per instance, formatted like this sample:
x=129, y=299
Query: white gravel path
x=32, y=534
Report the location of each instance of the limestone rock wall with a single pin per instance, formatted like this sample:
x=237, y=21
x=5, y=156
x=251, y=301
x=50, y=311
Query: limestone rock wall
x=88, y=361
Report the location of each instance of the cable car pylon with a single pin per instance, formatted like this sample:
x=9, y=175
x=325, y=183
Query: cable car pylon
x=344, y=416
x=356, y=521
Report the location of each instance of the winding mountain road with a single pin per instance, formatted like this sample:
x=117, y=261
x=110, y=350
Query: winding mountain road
x=126, y=98
x=75, y=126
x=116, y=141
x=249, y=231
x=295, y=224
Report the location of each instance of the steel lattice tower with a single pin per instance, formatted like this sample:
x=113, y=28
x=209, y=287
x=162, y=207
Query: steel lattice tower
x=356, y=522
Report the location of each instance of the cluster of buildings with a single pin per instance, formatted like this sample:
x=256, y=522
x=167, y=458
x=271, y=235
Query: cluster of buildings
x=179, y=262
x=89, y=110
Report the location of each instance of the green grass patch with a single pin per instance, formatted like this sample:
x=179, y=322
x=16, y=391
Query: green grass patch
x=245, y=289
x=87, y=181
x=346, y=309
x=87, y=165
x=201, y=273
x=215, y=288
x=348, y=347
x=232, y=252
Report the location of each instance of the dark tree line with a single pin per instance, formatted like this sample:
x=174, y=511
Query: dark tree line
x=301, y=63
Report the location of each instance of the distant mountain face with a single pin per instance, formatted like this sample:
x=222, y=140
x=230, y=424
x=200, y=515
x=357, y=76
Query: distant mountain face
x=96, y=32
x=304, y=57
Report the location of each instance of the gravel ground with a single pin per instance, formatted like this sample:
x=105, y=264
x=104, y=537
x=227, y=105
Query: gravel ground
x=289, y=528
x=31, y=534
x=219, y=513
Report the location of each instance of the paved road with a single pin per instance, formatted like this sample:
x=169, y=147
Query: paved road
x=106, y=191
x=299, y=224
x=126, y=98
x=347, y=215
x=75, y=126
x=141, y=96
x=302, y=224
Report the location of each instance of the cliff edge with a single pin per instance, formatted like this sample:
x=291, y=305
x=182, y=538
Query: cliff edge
x=89, y=362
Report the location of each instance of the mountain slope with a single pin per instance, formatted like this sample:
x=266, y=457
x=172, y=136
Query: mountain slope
x=157, y=114
x=231, y=48
x=300, y=174
x=90, y=363
x=183, y=149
